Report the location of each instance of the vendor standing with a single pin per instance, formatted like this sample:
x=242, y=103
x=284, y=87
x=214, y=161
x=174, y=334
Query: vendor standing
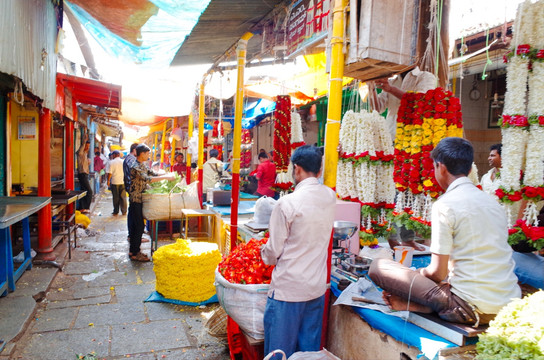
x=83, y=173
x=300, y=230
x=140, y=176
x=471, y=274
x=266, y=175
x=180, y=166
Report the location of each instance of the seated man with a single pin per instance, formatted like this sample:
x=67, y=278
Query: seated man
x=471, y=275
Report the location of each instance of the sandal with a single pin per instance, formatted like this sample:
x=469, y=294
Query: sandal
x=140, y=257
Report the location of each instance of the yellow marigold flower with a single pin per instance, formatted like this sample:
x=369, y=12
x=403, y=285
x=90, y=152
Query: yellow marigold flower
x=428, y=183
x=186, y=270
x=439, y=122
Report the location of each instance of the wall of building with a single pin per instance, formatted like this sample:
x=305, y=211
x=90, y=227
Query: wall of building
x=24, y=153
x=478, y=127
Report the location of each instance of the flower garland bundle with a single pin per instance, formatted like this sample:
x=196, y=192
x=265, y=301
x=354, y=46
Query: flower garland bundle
x=364, y=172
x=282, y=142
x=423, y=120
x=297, y=139
x=185, y=270
x=245, y=154
x=217, y=133
x=522, y=172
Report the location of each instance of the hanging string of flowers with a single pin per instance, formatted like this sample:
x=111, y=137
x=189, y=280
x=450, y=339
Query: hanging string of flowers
x=245, y=154
x=282, y=143
x=522, y=172
x=365, y=172
x=297, y=139
x=423, y=120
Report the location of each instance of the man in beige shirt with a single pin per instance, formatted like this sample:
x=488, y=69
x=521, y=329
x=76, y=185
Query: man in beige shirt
x=300, y=230
x=83, y=174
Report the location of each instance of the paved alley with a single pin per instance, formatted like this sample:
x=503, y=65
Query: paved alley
x=95, y=306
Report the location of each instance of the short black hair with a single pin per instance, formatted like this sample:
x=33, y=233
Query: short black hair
x=263, y=155
x=133, y=146
x=97, y=153
x=214, y=153
x=457, y=154
x=141, y=149
x=497, y=147
x=307, y=157
x=193, y=165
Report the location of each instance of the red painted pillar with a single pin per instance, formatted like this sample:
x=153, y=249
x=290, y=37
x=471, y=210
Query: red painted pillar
x=69, y=182
x=44, y=184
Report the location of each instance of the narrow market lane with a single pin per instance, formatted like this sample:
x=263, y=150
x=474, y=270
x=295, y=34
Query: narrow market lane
x=96, y=306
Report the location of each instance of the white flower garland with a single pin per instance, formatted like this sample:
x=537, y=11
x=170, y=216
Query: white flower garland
x=473, y=175
x=296, y=128
x=513, y=151
x=535, y=105
x=516, y=86
x=534, y=165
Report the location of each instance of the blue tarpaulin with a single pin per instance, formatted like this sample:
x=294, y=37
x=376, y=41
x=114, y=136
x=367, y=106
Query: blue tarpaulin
x=254, y=113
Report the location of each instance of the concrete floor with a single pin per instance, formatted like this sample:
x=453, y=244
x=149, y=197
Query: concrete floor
x=95, y=305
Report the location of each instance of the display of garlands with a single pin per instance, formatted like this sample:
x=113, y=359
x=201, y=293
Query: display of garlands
x=423, y=120
x=282, y=143
x=365, y=172
x=217, y=133
x=245, y=154
x=297, y=140
x=522, y=171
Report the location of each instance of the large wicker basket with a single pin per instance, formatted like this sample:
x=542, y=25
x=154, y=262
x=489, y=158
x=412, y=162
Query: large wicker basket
x=216, y=325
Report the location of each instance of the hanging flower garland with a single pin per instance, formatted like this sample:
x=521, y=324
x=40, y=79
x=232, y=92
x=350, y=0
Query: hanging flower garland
x=522, y=172
x=365, y=172
x=423, y=120
x=245, y=154
x=282, y=143
x=297, y=139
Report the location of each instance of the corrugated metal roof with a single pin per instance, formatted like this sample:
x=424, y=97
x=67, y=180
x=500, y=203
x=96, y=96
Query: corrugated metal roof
x=92, y=92
x=221, y=26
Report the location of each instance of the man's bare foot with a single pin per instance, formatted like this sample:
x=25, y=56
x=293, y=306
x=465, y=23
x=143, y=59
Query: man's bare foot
x=413, y=244
x=397, y=303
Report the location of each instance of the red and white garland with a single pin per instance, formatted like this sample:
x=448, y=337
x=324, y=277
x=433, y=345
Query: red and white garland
x=282, y=143
x=522, y=172
x=365, y=172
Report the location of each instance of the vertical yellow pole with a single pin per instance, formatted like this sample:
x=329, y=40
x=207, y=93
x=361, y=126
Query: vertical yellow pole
x=237, y=138
x=163, y=142
x=334, y=110
x=156, y=144
x=172, y=153
x=200, y=138
x=190, y=131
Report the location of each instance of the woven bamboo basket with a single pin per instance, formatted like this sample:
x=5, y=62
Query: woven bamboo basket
x=217, y=324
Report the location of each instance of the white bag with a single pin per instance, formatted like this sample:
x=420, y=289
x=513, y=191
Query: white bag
x=245, y=304
x=263, y=209
x=169, y=206
x=305, y=355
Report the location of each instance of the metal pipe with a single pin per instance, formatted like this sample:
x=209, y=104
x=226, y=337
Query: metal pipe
x=200, y=138
x=237, y=140
x=44, y=185
x=190, y=131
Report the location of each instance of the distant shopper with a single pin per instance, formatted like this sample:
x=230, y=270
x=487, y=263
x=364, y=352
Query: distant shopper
x=266, y=176
x=115, y=182
x=180, y=166
x=212, y=171
x=140, y=176
x=127, y=164
x=490, y=180
x=83, y=174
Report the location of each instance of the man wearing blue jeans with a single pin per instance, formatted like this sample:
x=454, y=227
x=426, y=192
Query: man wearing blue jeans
x=300, y=230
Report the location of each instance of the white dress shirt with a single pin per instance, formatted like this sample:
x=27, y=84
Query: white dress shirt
x=470, y=226
x=417, y=81
x=488, y=185
x=300, y=230
x=115, y=168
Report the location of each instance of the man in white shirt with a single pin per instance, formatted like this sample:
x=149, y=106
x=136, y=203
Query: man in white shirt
x=211, y=171
x=393, y=90
x=471, y=274
x=490, y=180
x=116, y=183
x=300, y=230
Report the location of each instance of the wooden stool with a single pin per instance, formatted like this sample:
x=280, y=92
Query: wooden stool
x=203, y=216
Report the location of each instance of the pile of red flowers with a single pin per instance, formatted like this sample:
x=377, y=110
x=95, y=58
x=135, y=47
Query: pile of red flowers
x=244, y=264
x=523, y=233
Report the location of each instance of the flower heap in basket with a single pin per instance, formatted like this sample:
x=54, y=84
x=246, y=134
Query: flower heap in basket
x=365, y=172
x=244, y=264
x=423, y=120
x=522, y=123
x=245, y=154
x=282, y=144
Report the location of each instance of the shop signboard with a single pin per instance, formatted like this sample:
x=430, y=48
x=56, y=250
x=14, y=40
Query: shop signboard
x=308, y=24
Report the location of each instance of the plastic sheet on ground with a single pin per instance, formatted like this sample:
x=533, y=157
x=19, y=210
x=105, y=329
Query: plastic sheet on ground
x=157, y=297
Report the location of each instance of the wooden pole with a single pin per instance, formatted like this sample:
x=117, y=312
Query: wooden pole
x=200, y=139
x=188, y=156
x=163, y=141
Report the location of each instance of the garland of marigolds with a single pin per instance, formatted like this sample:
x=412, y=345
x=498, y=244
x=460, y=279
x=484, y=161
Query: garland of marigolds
x=423, y=120
x=365, y=172
x=282, y=143
x=522, y=171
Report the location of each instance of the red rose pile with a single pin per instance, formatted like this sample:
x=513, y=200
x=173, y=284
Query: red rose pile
x=244, y=265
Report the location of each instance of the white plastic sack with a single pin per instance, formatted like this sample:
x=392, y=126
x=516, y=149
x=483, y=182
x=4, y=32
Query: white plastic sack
x=304, y=355
x=245, y=304
x=169, y=206
x=263, y=209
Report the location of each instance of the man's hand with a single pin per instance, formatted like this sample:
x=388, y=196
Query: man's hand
x=383, y=84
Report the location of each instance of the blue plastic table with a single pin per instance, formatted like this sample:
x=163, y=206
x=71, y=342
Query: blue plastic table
x=13, y=210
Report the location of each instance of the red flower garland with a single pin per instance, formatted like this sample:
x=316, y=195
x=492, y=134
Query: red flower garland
x=282, y=132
